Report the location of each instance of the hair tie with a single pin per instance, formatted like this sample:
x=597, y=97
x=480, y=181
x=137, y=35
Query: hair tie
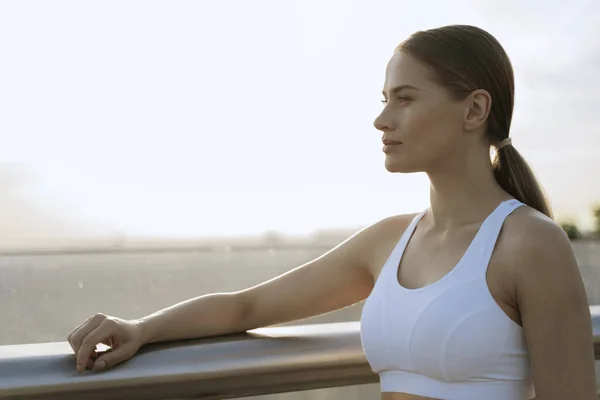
x=504, y=143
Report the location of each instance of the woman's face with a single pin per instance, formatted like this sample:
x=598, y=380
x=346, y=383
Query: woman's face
x=423, y=125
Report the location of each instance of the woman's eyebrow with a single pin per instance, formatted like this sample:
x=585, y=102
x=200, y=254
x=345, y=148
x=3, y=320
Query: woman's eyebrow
x=400, y=88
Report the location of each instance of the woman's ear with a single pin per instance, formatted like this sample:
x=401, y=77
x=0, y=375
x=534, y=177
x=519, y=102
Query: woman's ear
x=479, y=104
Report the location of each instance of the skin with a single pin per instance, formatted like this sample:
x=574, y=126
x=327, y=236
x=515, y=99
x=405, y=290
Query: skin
x=532, y=275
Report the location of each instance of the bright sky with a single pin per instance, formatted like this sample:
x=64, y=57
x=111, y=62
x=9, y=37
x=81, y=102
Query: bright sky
x=237, y=117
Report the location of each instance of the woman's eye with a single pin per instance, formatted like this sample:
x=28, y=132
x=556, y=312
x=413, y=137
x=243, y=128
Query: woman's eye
x=401, y=99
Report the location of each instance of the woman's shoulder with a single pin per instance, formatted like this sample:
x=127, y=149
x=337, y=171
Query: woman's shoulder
x=531, y=243
x=395, y=223
x=527, y=229
x=382, y=236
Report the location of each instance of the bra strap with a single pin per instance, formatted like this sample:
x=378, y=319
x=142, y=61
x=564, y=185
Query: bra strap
x=493, y=226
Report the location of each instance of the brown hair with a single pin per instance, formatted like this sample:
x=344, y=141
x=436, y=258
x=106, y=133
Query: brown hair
x=465, y=58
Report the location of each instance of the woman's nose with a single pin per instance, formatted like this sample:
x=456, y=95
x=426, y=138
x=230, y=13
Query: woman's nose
x=382, y=124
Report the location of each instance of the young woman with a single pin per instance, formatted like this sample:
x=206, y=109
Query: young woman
x=479, y=296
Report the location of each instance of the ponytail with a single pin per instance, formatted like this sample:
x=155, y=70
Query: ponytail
x=515, y=176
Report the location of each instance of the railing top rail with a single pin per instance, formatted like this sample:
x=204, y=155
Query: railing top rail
x=266, y=360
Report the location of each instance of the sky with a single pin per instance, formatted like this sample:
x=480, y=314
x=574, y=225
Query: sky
x=202, y=118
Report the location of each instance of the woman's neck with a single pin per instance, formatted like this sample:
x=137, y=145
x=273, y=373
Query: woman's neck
x=463, y=195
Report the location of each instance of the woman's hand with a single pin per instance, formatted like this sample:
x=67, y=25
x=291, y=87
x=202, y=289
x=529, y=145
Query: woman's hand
x=122, y=336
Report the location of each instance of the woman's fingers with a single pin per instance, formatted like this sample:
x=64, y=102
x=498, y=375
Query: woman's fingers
x=121, y=336
x=74, y=337
x=87, y=349
x=111, y=358
x=84, y=329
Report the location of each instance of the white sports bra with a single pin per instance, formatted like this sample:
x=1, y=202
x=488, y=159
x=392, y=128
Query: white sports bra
x=450, y=339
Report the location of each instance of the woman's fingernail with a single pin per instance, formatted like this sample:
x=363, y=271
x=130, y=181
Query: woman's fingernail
x=99, y=365
x=78, y=368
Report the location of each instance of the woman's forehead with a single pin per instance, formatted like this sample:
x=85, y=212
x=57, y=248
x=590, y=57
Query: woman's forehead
x=403, y=69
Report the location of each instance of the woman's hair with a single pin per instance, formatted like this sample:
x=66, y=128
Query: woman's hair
x=466, y=58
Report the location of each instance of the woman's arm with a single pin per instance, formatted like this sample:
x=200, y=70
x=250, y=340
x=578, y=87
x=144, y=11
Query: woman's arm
x=554, y=310
x=339, y=278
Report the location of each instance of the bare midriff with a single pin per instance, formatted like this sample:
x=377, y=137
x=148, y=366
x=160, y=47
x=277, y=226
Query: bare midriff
x=404, y=396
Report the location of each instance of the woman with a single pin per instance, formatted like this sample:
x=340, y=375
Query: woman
x=477, y=297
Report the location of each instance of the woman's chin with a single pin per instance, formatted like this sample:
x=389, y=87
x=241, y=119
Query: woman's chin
x=395, y=166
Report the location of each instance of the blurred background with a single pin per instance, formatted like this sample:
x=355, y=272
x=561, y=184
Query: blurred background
x=154, y=151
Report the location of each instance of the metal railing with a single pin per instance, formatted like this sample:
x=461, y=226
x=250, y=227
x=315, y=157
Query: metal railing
x=263, y=361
